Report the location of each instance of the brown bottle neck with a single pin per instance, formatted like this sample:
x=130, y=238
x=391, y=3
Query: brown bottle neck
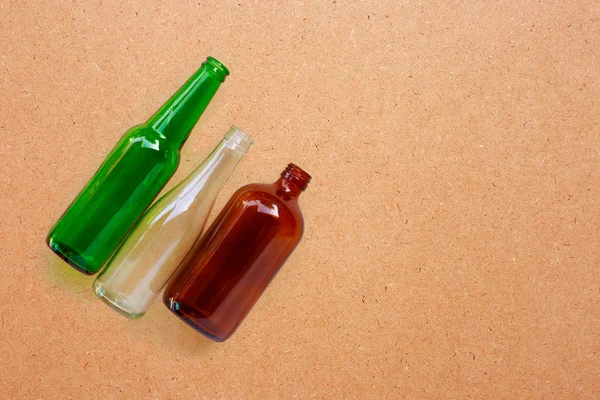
x=287, y=189
x=293, y=181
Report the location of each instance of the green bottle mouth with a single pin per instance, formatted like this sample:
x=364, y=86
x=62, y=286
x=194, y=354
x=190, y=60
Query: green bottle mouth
x=215, y=66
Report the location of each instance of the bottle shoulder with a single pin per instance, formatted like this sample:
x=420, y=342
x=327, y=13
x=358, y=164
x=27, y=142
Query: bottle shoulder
x=262, y=199
x=143, y=137
x=266, y=193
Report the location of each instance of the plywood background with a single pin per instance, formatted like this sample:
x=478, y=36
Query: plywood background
x=452, y=227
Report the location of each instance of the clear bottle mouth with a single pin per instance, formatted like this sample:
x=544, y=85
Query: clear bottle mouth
x=238, y=139
x=215, y=66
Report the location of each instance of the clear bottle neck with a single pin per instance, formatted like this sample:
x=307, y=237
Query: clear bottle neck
x=216, y=168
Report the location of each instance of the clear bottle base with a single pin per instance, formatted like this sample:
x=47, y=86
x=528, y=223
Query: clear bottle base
x=115, y=303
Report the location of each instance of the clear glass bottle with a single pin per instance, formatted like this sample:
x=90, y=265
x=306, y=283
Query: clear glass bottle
x=132, y=175
x=141, y=267
x=226, y=272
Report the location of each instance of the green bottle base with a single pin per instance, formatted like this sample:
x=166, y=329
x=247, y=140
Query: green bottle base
x=115, y=303
x=68, y=255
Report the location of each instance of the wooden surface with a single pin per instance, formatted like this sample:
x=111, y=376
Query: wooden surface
x=452, y=227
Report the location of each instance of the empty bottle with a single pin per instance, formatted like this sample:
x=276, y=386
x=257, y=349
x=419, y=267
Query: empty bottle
x=138, y=271
x=227, y=271
x=132, y=175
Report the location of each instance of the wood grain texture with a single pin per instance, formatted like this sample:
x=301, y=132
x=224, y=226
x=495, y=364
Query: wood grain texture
x=451, y=246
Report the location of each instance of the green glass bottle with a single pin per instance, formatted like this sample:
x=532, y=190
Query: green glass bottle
x=132, y=175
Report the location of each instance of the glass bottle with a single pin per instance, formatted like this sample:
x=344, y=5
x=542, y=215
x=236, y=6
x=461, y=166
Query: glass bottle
x=229, y=268
x=151, y=253
x=132, y=175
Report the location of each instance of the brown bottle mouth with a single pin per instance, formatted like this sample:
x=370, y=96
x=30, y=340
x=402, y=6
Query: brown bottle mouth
x=296, y=175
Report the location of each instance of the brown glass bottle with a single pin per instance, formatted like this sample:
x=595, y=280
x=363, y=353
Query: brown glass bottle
x=229, y=268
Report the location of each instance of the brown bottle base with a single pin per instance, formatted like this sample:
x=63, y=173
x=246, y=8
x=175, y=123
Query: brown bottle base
x=177, y=309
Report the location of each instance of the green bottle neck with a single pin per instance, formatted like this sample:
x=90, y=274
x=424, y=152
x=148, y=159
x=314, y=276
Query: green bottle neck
x=176, y=118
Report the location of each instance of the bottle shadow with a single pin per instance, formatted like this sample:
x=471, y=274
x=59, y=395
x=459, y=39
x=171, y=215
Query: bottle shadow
x=159, y=325
x=63, y=275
